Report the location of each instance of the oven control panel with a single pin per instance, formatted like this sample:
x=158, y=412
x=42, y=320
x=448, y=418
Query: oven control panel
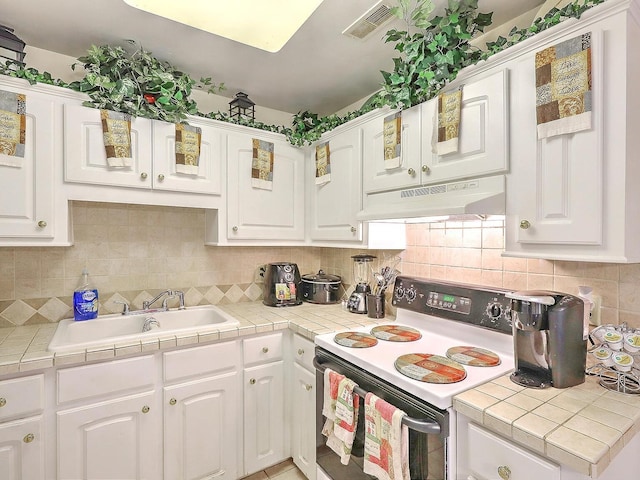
x=484, y=307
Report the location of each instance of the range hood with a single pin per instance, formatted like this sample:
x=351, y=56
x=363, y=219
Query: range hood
x=478, y=196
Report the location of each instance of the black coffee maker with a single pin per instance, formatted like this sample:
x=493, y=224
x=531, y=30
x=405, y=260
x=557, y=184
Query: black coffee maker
x=282, y=285
x=550, y=347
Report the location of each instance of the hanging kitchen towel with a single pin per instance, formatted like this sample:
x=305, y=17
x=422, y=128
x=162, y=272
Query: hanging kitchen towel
x=262, y=165
x=13, y=109
x=188, y=140
x=563, y=87
x=323, y=164
x=448, y=130
x=116, y=133
x=386, y=440
x=392, y=138
x=340, y=407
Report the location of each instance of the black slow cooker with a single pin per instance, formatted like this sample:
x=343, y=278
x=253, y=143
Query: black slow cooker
x=321, y=288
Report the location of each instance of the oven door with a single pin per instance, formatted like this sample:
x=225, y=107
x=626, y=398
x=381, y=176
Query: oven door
x=428, y=426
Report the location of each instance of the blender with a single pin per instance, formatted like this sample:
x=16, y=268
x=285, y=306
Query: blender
x=357, y=302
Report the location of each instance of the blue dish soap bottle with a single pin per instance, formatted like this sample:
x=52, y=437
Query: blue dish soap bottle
x=85, y=299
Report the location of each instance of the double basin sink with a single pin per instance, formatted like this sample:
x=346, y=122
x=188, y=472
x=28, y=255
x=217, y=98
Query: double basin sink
x=107, y=330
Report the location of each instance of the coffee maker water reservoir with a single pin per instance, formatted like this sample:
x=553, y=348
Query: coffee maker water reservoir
x=550, y=347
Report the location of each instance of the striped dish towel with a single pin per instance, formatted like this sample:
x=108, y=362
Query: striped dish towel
x=341, y=407
x=386, y=440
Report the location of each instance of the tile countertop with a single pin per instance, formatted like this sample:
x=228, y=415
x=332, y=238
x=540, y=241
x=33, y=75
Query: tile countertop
x=24, y=349
x=583, y=427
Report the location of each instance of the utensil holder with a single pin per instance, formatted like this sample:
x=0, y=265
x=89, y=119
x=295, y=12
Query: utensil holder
x=375, y=306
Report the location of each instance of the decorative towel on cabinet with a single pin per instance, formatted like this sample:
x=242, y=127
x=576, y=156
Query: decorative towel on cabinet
x=13, y=126
x=563, y=87
x=323, y=164
x=448, y=133
x=386, y=440
x=116, y=133
x=392, y=138
x=341, y=406
x=188, y=140
x=262, y=165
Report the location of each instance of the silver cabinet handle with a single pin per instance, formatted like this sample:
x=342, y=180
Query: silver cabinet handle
x=3, y=402
x=235, y=228
x=411, y=172
x=426, y=169
x=160, y=177
x=504, y=472
x=143, y=176
x=308, y=387
x=354, y=229
x=28, y=438
x=525, y=224
x=145, y=409
x=265, y=349
x=252, y=381
x=173, y=401
x=300, y=351
x=42, y=224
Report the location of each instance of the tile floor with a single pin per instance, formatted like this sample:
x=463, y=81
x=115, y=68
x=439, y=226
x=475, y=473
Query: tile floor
x=282, y=471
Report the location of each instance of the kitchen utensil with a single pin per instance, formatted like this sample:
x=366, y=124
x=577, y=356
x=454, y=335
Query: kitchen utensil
x=321, y=288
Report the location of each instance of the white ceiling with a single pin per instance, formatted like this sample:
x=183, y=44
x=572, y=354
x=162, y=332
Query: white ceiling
x=319, y=69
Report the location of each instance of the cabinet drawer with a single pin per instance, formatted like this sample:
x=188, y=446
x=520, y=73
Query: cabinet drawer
x=488, y=453
x=200, y=361
x=267, y=348
x=21, y=397
x=303, y=352
x=118, y=377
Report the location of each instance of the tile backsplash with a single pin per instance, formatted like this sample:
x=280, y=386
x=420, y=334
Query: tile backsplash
x=132, y=252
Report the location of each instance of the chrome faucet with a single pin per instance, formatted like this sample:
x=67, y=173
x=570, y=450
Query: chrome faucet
x=167, y=294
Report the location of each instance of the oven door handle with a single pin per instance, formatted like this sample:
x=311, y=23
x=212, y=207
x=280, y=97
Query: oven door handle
x=427, y=426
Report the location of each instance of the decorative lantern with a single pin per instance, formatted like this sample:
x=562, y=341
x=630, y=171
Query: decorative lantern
x=11, y=47
x=242, y=107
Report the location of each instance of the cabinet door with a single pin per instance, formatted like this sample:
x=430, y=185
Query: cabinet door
x=484, y=138
x=27, y=191
x=555, y=188
x=264, y=423
x=376, y=178
x=303, y=441
x=116, y=439
x=207, y=179
x=22, y=450
x=258, y=214
x=201, y=422
x=334, y=205
x=85, y=159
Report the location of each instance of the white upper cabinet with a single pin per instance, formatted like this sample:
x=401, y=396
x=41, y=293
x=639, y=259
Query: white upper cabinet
x=483, y=145
x=255, y=213
x=574, y=196
x=377, y=177
x=333, y=206
x=31, y=212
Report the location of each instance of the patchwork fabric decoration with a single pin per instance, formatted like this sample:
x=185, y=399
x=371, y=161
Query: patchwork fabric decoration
x=262, y=165
x=563, y=87
x=116, y=132
x=392, y=141
x=13, y=126
x=323, y=164
x=188, y=142
x=448, y=133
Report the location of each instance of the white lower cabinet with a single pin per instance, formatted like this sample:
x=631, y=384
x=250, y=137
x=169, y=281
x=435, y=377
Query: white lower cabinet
x=114, y=439
x=303, y=407
x=264, y=420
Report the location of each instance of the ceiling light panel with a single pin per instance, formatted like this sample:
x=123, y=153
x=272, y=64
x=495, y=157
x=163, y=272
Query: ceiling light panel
x=264, y=24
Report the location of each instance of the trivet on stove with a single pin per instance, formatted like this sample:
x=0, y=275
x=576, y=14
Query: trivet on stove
x=396, y=333
x=430, y=368
x=355, y=339
x=473, y=356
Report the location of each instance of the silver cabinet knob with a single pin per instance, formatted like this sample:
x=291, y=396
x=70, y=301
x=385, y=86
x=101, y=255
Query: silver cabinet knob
x=425, y=169
x=235, y=228
x=525, y=224
x=308, y=387
x=265, y=349
x=3, y=402
x=504, y=472
x=42, y=224
x=143, y=176
x=300, y=352
x=145, y=409
x=354, y=229
x=160, y=177
x=173, y=401
x=252, y=381
x=411, y=172
x=28, y=438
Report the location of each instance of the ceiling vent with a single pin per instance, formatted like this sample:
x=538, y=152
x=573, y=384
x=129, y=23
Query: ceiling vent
x=373, y=19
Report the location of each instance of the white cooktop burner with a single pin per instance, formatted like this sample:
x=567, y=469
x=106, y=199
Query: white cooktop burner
x=438, y=335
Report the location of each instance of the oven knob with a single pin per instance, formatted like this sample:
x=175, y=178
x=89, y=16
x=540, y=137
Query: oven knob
x=494, y=310
x=410, y=294
x=399, y=293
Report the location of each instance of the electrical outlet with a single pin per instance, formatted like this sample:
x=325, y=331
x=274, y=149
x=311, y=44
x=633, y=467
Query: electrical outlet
x=259, y=274
x=595, y=311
